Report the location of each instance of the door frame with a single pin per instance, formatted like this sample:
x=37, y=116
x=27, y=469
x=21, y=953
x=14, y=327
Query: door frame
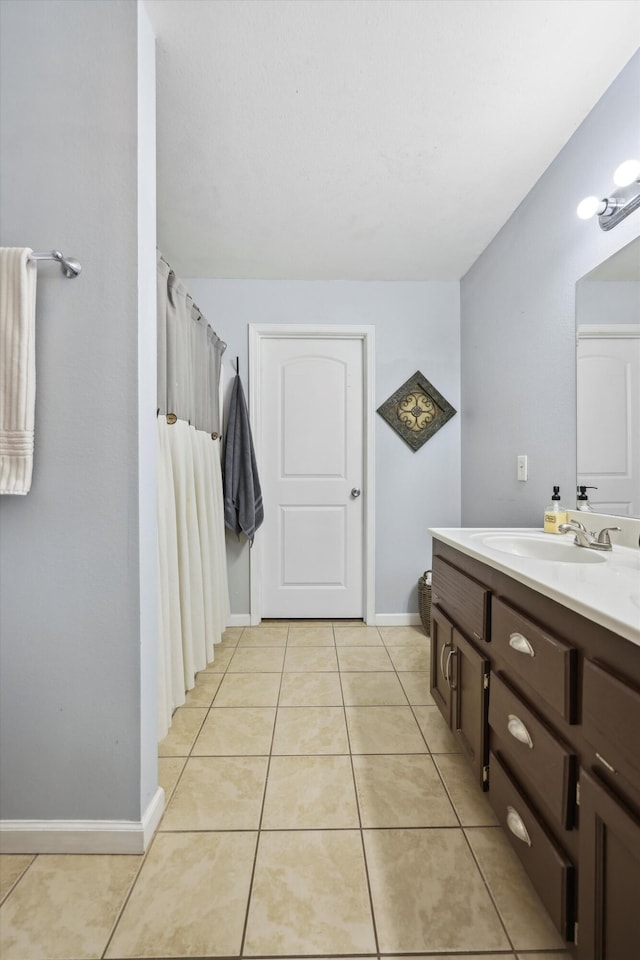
x=258, y=333
x=615, y=331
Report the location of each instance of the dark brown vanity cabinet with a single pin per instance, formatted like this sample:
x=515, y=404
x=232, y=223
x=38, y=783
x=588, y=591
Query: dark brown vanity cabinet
x=546, y=705
x=609, y=893
x=459, y=669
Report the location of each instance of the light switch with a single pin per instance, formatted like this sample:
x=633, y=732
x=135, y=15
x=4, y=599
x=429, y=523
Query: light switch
x=523, y=469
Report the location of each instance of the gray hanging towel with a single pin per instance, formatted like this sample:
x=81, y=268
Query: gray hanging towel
x=243, y=510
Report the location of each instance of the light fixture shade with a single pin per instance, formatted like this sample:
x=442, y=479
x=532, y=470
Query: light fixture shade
x=627, y=173
x=588, y=207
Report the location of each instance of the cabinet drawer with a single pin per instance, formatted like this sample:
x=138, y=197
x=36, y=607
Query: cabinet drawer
x=465, y=601
x=545, y=663
x=611, y=720
x=532, y=751
x=551, y=873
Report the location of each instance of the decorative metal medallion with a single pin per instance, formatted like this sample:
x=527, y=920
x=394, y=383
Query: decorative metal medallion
x=416, y=410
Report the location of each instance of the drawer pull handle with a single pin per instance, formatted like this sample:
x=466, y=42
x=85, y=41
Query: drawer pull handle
x=452, y=653
x=521, y=644
x=606, y=764
x=445, y=646
x=518, y=731
x=517, y=827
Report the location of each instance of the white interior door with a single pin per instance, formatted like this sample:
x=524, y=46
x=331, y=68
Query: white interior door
x=608, y=393
x=311, y=399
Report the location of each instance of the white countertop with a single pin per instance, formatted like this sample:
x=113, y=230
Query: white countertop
x=606, y=592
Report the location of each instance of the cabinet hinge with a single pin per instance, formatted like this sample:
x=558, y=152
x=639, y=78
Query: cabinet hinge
x=485, y=682
x=485, y=774
x=575, y=933
x=577, y=794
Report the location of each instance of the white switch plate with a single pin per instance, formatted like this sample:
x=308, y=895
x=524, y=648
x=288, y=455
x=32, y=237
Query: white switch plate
x=523, y=468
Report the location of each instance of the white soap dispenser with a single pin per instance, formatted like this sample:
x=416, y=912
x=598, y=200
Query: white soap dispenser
x=554, y=515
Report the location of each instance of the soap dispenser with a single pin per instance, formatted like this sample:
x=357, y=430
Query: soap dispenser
x=554, y=515
x=582, y=500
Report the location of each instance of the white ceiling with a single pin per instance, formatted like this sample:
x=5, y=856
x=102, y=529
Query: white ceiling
x=366, y=139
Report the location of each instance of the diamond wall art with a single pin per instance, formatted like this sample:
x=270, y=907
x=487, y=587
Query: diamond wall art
x=416, y=410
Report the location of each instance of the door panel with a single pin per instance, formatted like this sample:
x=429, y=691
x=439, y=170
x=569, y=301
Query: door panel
x=304, y=526
x=312, y=429
x=314, y=405
x=608, y=397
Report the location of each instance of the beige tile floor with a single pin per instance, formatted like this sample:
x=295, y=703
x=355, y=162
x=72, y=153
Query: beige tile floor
x=316, y=806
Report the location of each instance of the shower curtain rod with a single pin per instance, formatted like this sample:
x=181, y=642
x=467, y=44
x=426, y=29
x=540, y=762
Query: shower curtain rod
x=70, y=267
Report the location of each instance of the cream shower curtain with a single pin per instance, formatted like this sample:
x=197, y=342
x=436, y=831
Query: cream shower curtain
x=193, y=589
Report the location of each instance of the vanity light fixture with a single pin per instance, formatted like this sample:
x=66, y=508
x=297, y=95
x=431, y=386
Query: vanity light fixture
x=627, y=173
x=591, y=206
x=620, y=203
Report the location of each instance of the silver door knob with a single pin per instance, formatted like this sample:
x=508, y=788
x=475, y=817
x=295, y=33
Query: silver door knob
x=355, y=493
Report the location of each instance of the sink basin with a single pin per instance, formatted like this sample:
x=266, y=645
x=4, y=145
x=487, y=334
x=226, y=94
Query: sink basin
x=537, y=548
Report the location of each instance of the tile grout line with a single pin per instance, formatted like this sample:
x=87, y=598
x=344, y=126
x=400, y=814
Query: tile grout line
x=361, y=831
x=146, y=853
x=488, y=888
x=18, y=879
x=507, y=954
x=259, y=831
x=262, y=805
x=264, y=801
x=466, y=840
x=431, y=754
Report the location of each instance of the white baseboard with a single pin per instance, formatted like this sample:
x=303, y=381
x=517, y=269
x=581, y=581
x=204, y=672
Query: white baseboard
x=82, y=836
x=239, y=620
x=397, y=620
x=380, y=620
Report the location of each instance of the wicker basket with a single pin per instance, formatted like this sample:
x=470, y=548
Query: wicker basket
x=424, y=601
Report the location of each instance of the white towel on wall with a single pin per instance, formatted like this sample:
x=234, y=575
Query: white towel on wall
x=17, y=368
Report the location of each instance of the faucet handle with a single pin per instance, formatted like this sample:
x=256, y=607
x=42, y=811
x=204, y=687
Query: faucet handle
x=603, y=536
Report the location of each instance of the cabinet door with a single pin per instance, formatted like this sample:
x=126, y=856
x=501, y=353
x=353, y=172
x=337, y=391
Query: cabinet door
x=609, y=881
x=441, y=650
x=470, y=702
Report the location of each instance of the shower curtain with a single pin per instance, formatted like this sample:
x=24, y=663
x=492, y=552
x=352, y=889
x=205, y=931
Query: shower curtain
x=192, y=572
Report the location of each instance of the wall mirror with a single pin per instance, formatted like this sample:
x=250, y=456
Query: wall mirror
x=608, y=383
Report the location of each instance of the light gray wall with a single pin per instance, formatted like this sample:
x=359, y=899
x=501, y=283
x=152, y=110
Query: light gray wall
x=606, y=302
x=417, y=328
x=75, y=550
x=518, y=325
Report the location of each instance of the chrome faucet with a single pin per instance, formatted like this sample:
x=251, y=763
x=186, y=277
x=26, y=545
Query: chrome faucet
x=585, y=539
